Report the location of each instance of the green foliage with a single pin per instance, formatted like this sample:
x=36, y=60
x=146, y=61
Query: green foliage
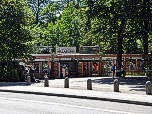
x=36, y=6
x=45, y=64
x=50, y=12
x=91, y=23
x=17, y=35
x=78, y=23
x=64, y=32
x=8, y=74
x=110, y=14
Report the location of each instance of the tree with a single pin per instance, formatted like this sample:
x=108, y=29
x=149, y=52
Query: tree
x=65, y=31
x=116, y=15
x=97, y=23
x=50, y=12
x=143, y=17
x=16, y=37
x=36, y=6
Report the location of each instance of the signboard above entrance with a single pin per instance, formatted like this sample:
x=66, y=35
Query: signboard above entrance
x=89, y=50
x=65, y=50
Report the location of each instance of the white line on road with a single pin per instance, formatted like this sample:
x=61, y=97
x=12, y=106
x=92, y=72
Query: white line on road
x=83, y=107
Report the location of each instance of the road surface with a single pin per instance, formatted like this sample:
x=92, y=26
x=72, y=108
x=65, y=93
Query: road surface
x=17, y=103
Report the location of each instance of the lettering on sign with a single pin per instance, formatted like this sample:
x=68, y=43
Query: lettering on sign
x=78, y=58
x=65, y=50
x=96, y=58
x=136, y=57
x=41, y=59
x=56, y=59
x=109, y=58
x=65, y=58
x=88, y=58
x=48, y=59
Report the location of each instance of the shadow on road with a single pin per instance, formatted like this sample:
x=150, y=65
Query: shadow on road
x=133, y=83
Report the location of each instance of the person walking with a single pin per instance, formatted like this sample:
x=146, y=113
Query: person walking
x=113, y=69
x=123, y=71
x=28, y=71
x=49, y=71
x=63, y=69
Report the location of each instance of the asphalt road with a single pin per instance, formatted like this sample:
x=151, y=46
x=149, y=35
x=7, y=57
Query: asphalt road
x=17, y=103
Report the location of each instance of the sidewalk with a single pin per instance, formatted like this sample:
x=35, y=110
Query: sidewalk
x=79, y=91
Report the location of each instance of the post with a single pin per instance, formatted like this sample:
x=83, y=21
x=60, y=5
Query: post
x=89, y=84
x=28, y=82
x=148, y=87
x=116, y=85
x=46, y=83
x=66, y=83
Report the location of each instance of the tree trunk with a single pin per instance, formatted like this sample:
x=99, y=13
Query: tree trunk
x=146, y=23
x=119, y=48
x=119, y=56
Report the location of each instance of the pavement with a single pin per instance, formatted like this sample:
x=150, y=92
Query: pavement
x=131, y=89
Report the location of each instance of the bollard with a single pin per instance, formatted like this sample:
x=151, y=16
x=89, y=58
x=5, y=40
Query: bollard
x=66, y=83
x=116, y=85
x=148, y=87
x=28, y=82
x=89, y=84
x=46, y=83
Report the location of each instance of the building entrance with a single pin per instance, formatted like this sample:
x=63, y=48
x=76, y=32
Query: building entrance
x=95, y=68
x=70, y=67
x=64, y=70
x=104, y=68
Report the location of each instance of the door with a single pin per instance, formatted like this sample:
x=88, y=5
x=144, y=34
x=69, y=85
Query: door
x=89, y=68
x=63, y=65
x=56, y=70
x=85, y=69
x=80, y=69
x=38, y=70
x=95, y=68
x=104, y=68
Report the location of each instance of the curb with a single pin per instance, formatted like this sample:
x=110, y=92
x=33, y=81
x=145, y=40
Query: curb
x=81, y=97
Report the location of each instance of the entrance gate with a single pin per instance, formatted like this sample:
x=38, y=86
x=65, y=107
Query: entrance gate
x=104, y=67
x=56, y=70
x=80, y=68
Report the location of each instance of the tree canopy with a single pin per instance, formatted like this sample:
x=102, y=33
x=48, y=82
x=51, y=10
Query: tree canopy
x=17, y=35
x=108, y=24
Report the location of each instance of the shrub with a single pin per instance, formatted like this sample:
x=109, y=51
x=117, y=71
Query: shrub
x=8, y=73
